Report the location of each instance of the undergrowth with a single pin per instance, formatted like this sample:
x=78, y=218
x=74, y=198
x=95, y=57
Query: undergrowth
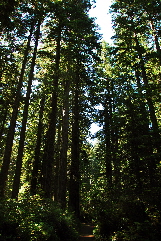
x=34, y=218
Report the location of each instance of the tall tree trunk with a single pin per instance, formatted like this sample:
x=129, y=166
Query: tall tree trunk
x=11, y=131
x=16, y=182
x=36, y=163
x=145, y=132
x=57, y=150
x=114, y=136
x=115, y=158
x=134, y=146
x=48, y=158
x=156, y=134
x=3, y=121
x=64, y=148
x=74, y=184
x=108, y=126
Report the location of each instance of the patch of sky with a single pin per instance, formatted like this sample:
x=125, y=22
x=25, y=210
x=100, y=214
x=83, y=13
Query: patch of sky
x=100, y=11
x=95, y=127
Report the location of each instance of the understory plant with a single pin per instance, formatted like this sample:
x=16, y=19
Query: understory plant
x=33, y=218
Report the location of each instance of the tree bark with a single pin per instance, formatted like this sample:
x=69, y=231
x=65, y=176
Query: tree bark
x=3, y=121
x=57, y=150
x=16, y=182
x=64, y=148
x=156, y=134
x=36, y=163
x=147, y=148
x=48, y=158
x=74, y=185
x=134, y=146
x=108, y=127
x=11, y=131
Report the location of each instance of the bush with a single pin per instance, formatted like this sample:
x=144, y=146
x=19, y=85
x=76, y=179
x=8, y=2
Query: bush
x=34, y=218
x=128, y=219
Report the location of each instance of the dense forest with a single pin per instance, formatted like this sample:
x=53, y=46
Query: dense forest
x=57, y=77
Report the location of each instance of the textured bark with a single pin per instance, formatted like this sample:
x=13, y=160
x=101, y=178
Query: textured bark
x=16, y=182
x=145, y=132
x=156, y=134
x=48, y=158
x=134, y=145
x=64, y=148
x=116, y=158
x=36, y=163
x=74, y=185
x=57, y=150
x=108, y=127
x=113, y=135
x=11, y=131
x=3, y=121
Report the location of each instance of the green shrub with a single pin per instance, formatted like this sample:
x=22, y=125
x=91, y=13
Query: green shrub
x=128, y=219
x=33, y=219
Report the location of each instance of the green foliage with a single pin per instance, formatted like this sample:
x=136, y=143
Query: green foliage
x=33, y=218
x=124, y=217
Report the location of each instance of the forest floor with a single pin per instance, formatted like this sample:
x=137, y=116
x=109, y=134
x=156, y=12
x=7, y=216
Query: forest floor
x=86, y=232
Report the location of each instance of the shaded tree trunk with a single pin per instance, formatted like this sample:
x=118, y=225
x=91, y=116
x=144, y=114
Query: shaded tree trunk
x=147, y=148
x=48, y=158
x=108, y=144
x=134, y=146
x=16, y=182
x=11, y=131
x=156, y=134
x=57, y=150
x=36, y=163
x=74, y=184
x=3, y=121
x=64, y=148
x=113, y=126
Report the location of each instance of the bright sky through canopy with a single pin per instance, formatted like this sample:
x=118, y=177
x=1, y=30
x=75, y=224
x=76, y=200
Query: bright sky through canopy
x=101, y=12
